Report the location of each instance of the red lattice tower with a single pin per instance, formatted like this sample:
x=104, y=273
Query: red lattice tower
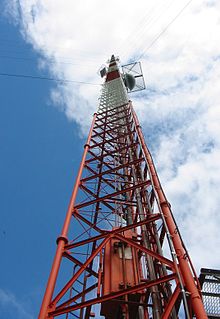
x=120, y=253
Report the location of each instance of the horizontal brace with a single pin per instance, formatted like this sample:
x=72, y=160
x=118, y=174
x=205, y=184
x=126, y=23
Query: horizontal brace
x=123, y=202
x=151, y=219
x=118, y=119
x=113, y=153
x=77, y=215
x=115, y=174
x=108, y=181
x=73, y=299
x=69, y=284
x=112, y=130
x=108, y=133
x=140, y=287
x=110, y=125
x=116, y=126
x=101, y=157
x=114, y=123
x=102, y=144
x=96, y=196
x=96, y=157
x=101, y=199
x=114, y=140
x=110, y=171
x=79, y=263
x=115, y=108
x=99, y=120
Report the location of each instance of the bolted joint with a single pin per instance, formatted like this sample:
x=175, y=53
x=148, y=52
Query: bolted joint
x=63, y=238
x=165, y=203
x=52, y=306
x=121, y=285
x=86, y=145
x=195, y=295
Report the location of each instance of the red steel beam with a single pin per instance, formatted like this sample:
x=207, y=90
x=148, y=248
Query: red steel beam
x=73, y=299
x=79, y=263
x=98, y=134
x=94, y=195
x=113, y=169
x=92, y=225
x=62, y=239
x=114, y=295
x=108, y=141
x=114, y=231
x=114, y=108
x=186, y=273
x=171, y=303
x=147, y=251
x=101, y=199
x=79, y=272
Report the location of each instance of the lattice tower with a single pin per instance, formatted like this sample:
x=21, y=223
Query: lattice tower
x=120, y=253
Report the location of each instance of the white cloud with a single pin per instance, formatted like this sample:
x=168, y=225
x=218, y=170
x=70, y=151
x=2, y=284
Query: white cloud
x=12, y=307
x=179, y=111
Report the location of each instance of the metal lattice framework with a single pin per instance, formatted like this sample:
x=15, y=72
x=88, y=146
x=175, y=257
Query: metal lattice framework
x=210, y=283
x=120, y=225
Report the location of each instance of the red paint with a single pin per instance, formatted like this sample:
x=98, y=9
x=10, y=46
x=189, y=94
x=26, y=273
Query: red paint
x=112, y=75
x=182, y=255
x=116, y=151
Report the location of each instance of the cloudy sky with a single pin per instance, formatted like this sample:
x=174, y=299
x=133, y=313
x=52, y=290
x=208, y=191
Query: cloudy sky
x=177, y=43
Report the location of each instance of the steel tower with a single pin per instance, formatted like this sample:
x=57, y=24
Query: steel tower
x=120, y=253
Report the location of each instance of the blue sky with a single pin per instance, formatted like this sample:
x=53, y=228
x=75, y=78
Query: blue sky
x=40, y=153
x=43, y=124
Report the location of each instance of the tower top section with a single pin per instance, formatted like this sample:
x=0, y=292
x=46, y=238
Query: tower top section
x=113, y=70
x=131, y=74
x=114, y=91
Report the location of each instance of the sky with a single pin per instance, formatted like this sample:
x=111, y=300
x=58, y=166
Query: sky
x=43, y=124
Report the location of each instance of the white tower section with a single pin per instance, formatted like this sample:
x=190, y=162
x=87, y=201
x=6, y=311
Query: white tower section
x=114, y=92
